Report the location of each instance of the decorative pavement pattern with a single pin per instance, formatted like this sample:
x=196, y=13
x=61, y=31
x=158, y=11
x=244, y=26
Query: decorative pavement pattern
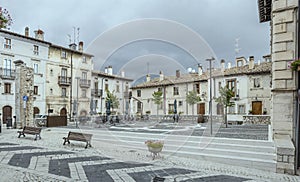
x=75, y=166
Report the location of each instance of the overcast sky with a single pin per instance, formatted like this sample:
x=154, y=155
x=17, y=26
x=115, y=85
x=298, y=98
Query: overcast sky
x=219, y=23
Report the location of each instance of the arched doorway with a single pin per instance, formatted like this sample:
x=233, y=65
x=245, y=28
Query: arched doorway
x=36, y=111
x=7, y=113
x=63, y=112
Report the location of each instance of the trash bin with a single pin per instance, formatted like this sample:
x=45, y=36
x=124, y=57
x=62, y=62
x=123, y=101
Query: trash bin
x=8, y=122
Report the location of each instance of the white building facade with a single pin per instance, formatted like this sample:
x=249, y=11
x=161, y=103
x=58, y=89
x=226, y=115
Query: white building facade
x=34, y=53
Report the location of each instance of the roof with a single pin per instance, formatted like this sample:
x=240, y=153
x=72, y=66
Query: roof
x=106, y=75
x=171, y=80
x=262, y=68
x=264, y=9
x=42, y=41
x=25, y=37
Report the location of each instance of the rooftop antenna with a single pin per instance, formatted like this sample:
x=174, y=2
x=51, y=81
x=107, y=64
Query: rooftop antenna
x=78, y=34
x=237, y=47
x=148, y=68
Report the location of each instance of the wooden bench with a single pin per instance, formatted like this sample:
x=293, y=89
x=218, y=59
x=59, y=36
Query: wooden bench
x=83, y=137
x=31, y=131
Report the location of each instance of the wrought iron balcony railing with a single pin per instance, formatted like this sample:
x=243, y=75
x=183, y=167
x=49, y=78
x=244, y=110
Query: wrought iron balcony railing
x=64, y=81
x=85, y=83
x=96, y=92
x=7, y=73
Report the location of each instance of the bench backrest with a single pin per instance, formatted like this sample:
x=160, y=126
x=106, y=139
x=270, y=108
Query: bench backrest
x=80, y=136
x=32, y=129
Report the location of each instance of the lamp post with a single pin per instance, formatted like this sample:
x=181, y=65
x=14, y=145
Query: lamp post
x=77, y=103
x=210, y=93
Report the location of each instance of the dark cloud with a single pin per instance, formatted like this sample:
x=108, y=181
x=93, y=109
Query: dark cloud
x=218, y=22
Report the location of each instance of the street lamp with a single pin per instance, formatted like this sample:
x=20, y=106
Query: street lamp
x=210, y=93
x=77, y=103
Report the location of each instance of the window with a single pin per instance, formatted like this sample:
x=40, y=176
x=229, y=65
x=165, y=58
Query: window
x=36, y=68
x=83, y=93
x=7, y=67
x=232, y=85
x=7, y=44
x=51, y=91
x=63, y=54
x=241, y=109
x=51, y=72
x=35, y=90
x=7, y=88
x=180, y=103
x=106, y=86
x=84, y=75
x=83, y=59
x=159, y=89
x=63, y=75
x=256, y=82
x=63, y=92
x=175, y=91
x=118, y=88
x=219, y=85
x=35, y=50
x=231, y=110
x=126, y=88
x=139, y=93
x=139, y=107
x=197, y=88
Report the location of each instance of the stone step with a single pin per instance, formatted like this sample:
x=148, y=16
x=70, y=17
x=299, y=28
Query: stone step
x=209, y=149
x=267, y=164
x=203, y=144
x=205, y=139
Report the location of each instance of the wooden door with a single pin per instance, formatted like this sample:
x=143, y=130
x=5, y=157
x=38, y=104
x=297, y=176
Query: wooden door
x=201, y=108
x=256, y=107
x=7, y=110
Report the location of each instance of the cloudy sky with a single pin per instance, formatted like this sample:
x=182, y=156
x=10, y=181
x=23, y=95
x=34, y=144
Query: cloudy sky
x=218, y=23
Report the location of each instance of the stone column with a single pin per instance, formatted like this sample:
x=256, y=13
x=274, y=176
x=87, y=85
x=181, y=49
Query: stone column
x=283, y=42
x=24, y=87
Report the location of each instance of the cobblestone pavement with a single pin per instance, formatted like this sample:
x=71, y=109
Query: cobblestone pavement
x=23, y=159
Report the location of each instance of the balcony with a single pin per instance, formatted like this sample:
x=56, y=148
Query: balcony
x=64, y=81
x=96, y=92
x=84, y=83
x=7, y=74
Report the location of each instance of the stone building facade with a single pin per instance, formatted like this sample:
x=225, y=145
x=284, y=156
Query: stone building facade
x=284, y=17
x=251, y=83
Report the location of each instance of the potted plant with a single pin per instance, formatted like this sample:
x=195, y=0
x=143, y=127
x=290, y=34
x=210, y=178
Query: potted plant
x=295, y=65
x=154, y=146
x=250, y=111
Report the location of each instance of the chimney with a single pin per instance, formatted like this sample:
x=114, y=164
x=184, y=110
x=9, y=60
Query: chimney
x=222, y=65
x=161, y=76
x=39, y=34
x=229, y=65
x=105, y=70
x=73, y=46
x=26, y=32
x=177, y=73
x=80, y=46
x=110, y=70
x=200, y=70
x=148, y=78
x=251, y=62
x=123, y=73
